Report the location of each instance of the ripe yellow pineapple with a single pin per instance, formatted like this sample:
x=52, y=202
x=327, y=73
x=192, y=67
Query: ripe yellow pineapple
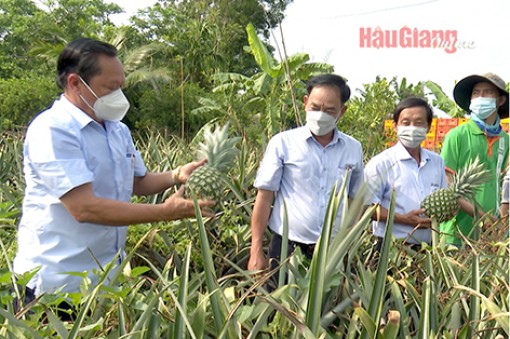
x=442, y=204
x=220, y=150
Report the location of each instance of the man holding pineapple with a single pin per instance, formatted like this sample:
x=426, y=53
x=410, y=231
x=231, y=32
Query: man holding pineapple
x=300, y=167
x=486, y=99
x=410, y=170
x=81, y=169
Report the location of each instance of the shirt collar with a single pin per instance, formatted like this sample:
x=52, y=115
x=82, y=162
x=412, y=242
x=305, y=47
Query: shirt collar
x=403, y=154
x=473, y=127
x=81, y=117
x=337, y=135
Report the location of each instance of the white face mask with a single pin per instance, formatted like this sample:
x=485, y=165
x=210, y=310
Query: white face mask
x=112, y=106
x=411, y=136
x=320, y=123
x=483, y=107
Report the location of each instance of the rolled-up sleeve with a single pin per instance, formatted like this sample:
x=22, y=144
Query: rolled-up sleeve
x=375, y=184
x=269, y=174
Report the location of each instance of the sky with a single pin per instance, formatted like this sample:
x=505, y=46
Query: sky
x=439, y=40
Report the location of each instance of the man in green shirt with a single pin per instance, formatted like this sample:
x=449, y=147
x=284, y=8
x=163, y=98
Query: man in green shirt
x=486, y=100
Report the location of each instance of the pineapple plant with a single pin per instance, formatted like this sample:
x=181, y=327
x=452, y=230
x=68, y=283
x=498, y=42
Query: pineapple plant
x=206, y=181
x=442, y=204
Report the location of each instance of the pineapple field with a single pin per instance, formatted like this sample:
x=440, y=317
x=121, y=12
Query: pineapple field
x=188, y=279
x=202, y=83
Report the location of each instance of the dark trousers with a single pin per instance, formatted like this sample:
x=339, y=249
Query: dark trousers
x=275, y=248
x=378, y=245
x=65, y=311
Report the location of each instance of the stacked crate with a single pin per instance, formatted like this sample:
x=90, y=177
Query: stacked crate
x=389, y=133
x=438, y=130
x=463, y=121
x=504, y=124
x=443, y=127
x=430, y=140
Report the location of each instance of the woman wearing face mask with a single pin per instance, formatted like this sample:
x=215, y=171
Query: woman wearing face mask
x=486, y=99
x=410, y=170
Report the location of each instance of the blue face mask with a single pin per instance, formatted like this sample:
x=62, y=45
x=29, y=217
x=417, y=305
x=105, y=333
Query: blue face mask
x=483, y=107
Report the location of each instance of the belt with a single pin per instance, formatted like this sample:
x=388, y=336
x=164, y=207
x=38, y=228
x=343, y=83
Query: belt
x=307, y=249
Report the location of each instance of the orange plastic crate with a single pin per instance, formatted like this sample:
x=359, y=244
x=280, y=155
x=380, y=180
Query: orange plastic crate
x=443, y=129
x=505, y=127
x=505, y=124
x=440, y=135
x=452, y=122
x=442, y=122
x=430, y=137
x=429, y=144
x=462, y=121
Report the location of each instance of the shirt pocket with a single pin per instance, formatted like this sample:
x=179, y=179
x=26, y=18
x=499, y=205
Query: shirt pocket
x=344, y=173
x=433, y=187
x=128, y=175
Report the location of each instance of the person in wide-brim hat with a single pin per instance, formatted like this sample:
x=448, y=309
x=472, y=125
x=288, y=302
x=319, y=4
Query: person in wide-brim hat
x=481, y=138
x=464, y=88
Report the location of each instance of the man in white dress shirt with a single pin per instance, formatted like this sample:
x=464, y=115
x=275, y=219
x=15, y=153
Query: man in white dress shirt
x=301, y=167
x=410, y=170
x=81, y=169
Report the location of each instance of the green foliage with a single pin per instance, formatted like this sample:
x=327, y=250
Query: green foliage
x=364, y=118
x=267, y=99
x=163, y=107
x=209, y=34
x=443, y=102
x=20, y=22
x=171, y=45
x=23, y=98
x=24, y=26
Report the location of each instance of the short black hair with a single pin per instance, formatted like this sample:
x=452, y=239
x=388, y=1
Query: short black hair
x=81, y=56
x=330, y=80
x=413, y=102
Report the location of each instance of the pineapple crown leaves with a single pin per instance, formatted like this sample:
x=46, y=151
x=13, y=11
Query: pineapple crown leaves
x=218, y=148
x=467, y=180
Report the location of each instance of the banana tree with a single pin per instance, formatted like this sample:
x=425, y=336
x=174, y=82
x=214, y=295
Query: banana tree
x=443, y=102
x=270, y=97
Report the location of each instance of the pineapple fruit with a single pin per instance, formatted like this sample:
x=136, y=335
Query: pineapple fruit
x=206, y=181
x=442, y=204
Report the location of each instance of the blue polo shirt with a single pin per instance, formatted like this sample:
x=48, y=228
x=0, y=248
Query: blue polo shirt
x=65, y=148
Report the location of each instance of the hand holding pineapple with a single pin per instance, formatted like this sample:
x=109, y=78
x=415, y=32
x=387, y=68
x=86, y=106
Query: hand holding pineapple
x=177, y=207
x=182, y=173
x=443, y=204
x=415, y=218
x=207, y=181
